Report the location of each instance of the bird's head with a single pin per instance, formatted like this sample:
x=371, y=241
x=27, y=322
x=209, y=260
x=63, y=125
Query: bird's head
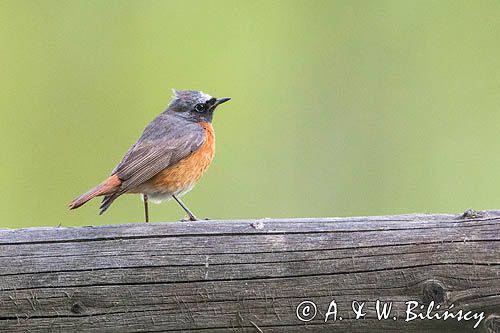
x=194, y=105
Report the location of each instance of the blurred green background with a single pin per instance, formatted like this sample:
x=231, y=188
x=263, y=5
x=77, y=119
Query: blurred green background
x=339, y=107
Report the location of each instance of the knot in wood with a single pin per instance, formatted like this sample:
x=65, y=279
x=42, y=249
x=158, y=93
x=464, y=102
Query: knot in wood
x=492, y=323
x=77, y=308
x=433, y=290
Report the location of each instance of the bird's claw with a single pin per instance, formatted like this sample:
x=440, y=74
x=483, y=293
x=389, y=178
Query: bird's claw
x=187, y=219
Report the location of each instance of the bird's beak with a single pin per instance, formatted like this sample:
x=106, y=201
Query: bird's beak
x=220, y=101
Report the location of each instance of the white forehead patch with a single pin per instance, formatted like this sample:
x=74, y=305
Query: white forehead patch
x=202, y=97
x=205, y=97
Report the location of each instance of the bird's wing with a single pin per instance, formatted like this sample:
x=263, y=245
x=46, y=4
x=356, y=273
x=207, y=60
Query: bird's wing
x=160, y=146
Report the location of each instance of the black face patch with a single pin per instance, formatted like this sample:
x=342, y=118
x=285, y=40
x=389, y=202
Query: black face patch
x=211, y=101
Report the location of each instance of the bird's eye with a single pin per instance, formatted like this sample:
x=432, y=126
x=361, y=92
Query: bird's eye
x=201, y=107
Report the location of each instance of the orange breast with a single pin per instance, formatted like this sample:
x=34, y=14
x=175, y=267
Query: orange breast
x=182, y=176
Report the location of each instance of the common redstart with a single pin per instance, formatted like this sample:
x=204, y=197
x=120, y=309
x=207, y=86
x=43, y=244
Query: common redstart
x=171, y=155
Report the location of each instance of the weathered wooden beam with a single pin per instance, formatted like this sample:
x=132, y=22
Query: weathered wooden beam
x=250, y=276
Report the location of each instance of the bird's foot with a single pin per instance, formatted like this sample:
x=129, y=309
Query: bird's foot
x=193, y=219
x=188, y=219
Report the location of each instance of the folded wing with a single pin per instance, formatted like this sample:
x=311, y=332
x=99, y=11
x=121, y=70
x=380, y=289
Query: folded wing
x=163, y=143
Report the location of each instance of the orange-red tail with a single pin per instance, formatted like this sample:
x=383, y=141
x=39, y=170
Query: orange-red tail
x=108, y=186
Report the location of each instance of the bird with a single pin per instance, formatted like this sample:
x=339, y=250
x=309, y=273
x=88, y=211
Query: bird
x=168, y=159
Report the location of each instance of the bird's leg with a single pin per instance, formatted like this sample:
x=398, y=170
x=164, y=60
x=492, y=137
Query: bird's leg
x=191, y=215
x=146, y=213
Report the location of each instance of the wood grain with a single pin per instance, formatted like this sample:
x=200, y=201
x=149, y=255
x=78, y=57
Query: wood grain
x=250, y=275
